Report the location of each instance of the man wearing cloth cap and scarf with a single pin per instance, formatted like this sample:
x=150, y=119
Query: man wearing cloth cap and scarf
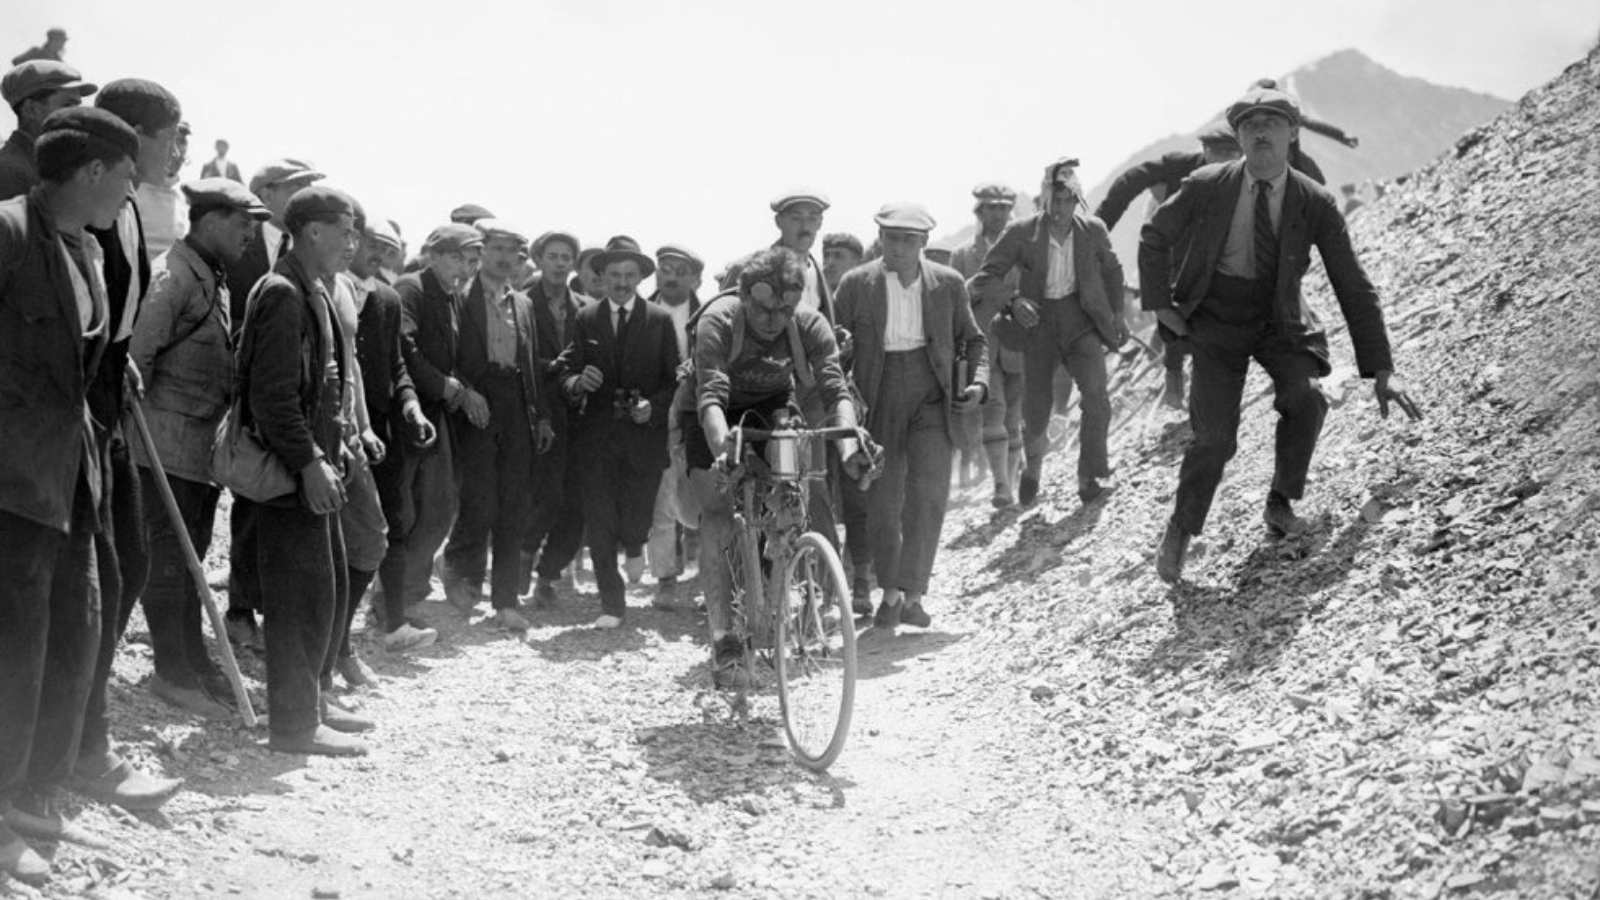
x=183, y=346
x=1001, y=424
x=678, y=274
x=34, y=90
x=495, y=449
x=920, y=359
x=1162, y=178
x=555, y=530
x=430, y=333
x=1249, y=227
x=1069, y=300
x=293, y=373
x=54, y=325
x=622, y=365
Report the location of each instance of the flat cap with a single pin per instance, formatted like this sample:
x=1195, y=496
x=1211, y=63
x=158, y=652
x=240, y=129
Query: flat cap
x=95, y=123
x=317, y=203
x=452, y=238
x=999, y=194
x=622, y=248
x=469, y=214
x=678, y=251
x=142, y=103
x=563, y=237
x=287, y=170
x=382, y=232
x=1218, y=133
x=905, y=217
x=224, y=193
x=1264, y=100
x=843, y=240
x=39, y=75
x=784, y=201
x=1062, y=171
x=500, y=228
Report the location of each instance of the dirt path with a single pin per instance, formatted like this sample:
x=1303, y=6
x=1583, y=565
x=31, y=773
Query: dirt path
x=584, y=763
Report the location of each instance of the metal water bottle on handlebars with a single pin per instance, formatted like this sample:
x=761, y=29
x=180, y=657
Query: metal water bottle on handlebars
x=783, y=448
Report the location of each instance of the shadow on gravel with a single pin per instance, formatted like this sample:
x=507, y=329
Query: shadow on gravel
x=711, y=762
x=1040, y=542
x=1275, y=589
x=879, y=654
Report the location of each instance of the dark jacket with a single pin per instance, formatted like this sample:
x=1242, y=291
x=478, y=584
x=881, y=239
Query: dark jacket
x=549, y=343
x=1025, y=245
x=1161, y=177
x=648, y=364
x=282, y=367
x=472, y=349
x=1201, y=214
x=47, y=445
x=430, y=328
x=384, y=376
x=243, y=275
x=947, y=322
x=18, y=174
x=123, y=265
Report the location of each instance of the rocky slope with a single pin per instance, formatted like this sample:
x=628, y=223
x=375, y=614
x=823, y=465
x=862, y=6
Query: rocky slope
x=1403, y=702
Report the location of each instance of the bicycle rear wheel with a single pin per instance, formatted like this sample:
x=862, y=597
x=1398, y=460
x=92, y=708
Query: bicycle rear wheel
x=816, y=652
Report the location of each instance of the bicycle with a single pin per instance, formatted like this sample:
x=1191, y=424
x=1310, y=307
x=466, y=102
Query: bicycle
x=799, y=621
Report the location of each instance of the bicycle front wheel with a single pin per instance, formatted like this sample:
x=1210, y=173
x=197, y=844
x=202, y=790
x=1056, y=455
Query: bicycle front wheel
x=816, y=652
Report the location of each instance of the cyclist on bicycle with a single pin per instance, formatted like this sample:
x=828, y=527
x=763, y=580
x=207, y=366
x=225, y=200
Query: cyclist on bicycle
x=752, y=346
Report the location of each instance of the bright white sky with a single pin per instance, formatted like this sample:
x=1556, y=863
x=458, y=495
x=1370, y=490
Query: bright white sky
x=680, y=121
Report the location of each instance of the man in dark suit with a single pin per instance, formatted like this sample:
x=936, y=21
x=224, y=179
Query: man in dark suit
x=430, y=330
x=221, y=166
x=555, y=530
x=1249, y=227
x=1162, y=178
x=915, y=335
x=495, y=442
x=1069, y=298
x=623, y=364
x=53, y=329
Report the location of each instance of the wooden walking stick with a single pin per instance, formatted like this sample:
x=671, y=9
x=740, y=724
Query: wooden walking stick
x=218, y=628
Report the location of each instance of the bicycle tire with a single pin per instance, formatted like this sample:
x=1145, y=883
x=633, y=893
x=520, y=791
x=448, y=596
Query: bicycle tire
x=816, y=653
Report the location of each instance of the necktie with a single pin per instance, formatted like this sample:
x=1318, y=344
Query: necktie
x=622, y=336
x=283, y=247
x=1266, y=242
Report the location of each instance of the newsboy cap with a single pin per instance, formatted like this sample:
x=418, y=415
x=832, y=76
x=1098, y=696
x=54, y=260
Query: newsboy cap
x=619, y=249
x=784, y=201
x=224, y=194
x=383, y=232
x=989, y=192
x=142, y=103
x=678, y=251
x=452, y=238
x=287, y=170
x=500, y=228
x=1218, y=134
x=316, y=203
x=469, y=214
x=93, y=123
x=905, y=217
x=1264, y=100
x=39, y=75
x=560, y=237
x=843, y=240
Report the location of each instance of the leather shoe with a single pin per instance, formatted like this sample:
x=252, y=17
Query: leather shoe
x=1028, y=489
x=40, y=818
x=20, y=861
x=194, y=700
x=318, y=741
x=355, y=672
x=511, y=619
x=342, y=720
x=1092, y=489
x=124, y=786
x=888, y=615
x=1281, y=520
x=1174, y=549
x=914, y=615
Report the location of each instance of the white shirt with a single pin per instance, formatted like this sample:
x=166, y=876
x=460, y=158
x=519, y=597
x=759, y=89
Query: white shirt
x=1063, y=277
x=812, y=295
x=904, y=330
x=128, y=234
x=680, y=325
x=90, y=291
x=616, y=310
x=271, y=238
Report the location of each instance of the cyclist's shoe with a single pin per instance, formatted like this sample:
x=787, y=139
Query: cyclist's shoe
x=912, y=613
x=727, y=664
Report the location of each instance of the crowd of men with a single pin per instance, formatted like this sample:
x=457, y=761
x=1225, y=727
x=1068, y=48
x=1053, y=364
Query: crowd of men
x=492, y=404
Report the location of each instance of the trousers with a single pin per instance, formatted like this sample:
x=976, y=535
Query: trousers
x=1067, y=336
x=123, y=557
x=906, y=505
x=172, y=606
x=494, y=469
x=619, y=500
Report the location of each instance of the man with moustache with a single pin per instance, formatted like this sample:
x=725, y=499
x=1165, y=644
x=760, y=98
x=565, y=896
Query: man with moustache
x=396, y=419
x=1162, y=178
x=183, y=347
x=34, y=90
x=54, y=326
x=798, y=215
x=273, y=184
x=1000, y=431
x=1248, y=227
x=497, y=442
x=555, y=530
x=430, y=333
x=915, y=336
x=622, y=365
x=1069, y=299
x=678, y=274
